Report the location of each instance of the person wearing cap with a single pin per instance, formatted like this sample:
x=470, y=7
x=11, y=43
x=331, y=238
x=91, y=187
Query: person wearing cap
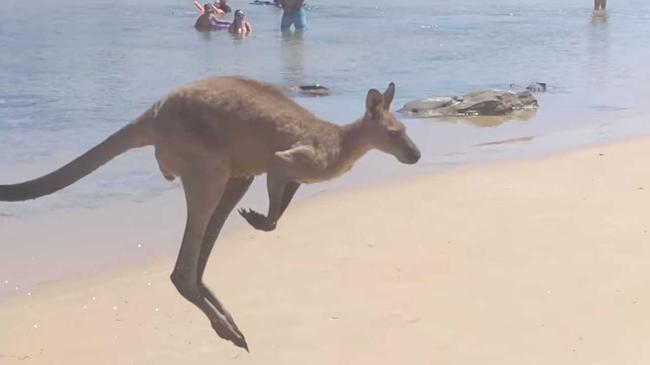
x=294, y=14
x=239, y=25
x=204, y=22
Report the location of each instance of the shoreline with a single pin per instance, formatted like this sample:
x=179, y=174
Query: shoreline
x=169, y=210
x=535, y=260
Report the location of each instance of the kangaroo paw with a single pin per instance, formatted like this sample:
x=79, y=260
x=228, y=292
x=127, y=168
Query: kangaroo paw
x=257, y=220
x=225, y=331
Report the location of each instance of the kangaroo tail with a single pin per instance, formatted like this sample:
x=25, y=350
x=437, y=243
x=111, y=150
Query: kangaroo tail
x=135, y=134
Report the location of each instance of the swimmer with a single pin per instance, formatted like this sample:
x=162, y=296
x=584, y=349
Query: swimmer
x=205, y=20
x=239, y=25
x=222, y=6
x=294, y=14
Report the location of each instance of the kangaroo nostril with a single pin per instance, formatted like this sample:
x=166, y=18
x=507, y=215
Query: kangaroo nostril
x=415, y=156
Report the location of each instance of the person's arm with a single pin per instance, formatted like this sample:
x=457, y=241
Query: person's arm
x=218, y=22
x=248, y=27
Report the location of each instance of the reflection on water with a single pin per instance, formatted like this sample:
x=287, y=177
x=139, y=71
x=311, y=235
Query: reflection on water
x=598, y=50
x=485, y=121
x=293, y=58
x=599, y=15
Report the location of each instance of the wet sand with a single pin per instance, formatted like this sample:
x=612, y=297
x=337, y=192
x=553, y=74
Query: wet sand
x=543, y=261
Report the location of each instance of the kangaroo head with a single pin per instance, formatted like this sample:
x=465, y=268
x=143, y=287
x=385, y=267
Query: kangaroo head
x=385, y=132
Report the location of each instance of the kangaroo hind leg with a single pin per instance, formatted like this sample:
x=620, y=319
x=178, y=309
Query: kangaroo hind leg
x=204, y=187
x=234, y=191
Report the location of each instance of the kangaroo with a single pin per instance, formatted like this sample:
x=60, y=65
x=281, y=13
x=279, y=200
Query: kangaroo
x=216, y=135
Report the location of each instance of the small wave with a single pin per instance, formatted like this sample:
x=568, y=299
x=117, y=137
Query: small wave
x=18, y=101
x=607, y=108
x=507, y=141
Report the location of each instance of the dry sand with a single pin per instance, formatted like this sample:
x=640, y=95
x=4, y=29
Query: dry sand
x=531, y=262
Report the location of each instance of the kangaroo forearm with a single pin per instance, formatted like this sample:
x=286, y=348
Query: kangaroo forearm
x=289, y=191
x=277, y=207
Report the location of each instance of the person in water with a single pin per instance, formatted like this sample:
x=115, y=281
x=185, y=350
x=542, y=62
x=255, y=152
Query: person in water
x=205, y=20
x=600, y=4
x=239, y=25
x=294, y=14
x=222, y=6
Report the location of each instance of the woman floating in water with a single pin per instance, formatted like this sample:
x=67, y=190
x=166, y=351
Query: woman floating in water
x=239, y=25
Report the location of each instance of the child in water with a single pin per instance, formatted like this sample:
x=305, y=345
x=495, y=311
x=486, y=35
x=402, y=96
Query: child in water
x=222, y=6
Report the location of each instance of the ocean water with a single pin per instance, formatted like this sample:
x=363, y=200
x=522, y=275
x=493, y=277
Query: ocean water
x=72, y=72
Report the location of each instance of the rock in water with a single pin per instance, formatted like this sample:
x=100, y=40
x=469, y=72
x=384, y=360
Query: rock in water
x=316, y=90
x=488, y=102
x=536, y=87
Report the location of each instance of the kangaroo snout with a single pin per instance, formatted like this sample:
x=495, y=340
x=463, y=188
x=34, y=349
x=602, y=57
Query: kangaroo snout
x=410, y=157
x=410, y=153
x=414, y=157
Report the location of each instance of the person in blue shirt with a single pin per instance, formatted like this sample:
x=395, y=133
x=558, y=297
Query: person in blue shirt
x=294, y=14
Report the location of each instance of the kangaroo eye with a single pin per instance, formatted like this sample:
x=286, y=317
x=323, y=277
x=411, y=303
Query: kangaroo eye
x=394, y=133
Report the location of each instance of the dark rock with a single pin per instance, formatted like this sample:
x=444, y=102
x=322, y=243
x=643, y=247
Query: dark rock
x=306, y=90
x=488, y=103
x=536, y=87
x=316, y=90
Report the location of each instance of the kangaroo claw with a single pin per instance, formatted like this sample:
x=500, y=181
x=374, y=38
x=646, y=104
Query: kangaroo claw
x=257, y=220
x=225, y=331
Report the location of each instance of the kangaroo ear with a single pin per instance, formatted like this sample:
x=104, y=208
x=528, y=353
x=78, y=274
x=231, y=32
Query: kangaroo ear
x=374, y=100
x=389, y=94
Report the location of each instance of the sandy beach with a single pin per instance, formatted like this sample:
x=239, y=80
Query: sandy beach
x=541, y=261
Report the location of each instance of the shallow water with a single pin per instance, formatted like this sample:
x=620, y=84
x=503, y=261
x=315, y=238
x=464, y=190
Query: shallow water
x=72, y=72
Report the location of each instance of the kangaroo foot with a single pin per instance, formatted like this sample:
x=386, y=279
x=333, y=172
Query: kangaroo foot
x=257, y=220
x=225, y=331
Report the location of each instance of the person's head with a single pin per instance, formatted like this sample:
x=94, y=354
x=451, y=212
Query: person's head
x=207, y=8
x=239, y=14
x=385, y=132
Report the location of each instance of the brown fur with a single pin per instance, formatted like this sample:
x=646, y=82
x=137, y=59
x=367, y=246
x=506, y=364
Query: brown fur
x=216, y=135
